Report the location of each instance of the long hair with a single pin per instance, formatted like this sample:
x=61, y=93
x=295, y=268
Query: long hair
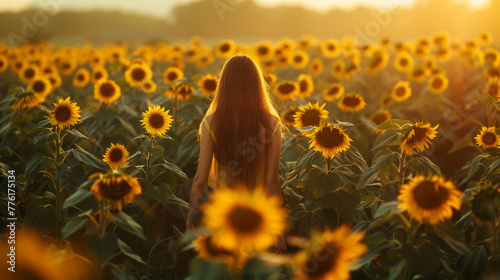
x=242, y=112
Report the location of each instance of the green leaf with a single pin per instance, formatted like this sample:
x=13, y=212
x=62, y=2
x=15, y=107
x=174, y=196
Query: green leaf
x=343, y=200
x=175, y=170
x=486, y=98
x=424, y=166
x=77, y=133
x=125, y=249
x=156, y=151
x=177, y=207
x=73, y=225
x=377, y=244
x=126, y=223
x=127, y=126
x=387, y=209
x=344, y=123
x=392, y=124
x=88, y=158
x=451, y=235
x=35, y=165
x=307, y=158
x=80, y=195
x=161, y=193
x=387, y=137
x=306, y=128
x=139, y=137
x=382, y=160
x=319, y=183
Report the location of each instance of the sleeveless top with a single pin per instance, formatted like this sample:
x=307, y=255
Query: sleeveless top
x=220, y=180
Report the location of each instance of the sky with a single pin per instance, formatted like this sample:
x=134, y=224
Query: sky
x=162, y=7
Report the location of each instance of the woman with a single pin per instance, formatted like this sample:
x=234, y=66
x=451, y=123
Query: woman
x=240, y=137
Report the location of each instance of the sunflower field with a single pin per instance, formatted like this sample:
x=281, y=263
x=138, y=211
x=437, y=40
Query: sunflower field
x=389, y=166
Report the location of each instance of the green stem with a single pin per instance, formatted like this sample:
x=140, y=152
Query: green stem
x=148, y=166
x=329, y=164
x=58, y=185
x=402, y=162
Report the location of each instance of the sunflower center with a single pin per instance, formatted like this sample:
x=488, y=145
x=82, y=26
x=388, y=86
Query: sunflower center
x=311, y=117
x=420, y=134
x=418, y=72
x=210, y=85
x=351, y=101
x=490, y=56
x=329, y=138
x=286, y=88
x=1, y=63
x=321, y=261
x=62, y=113
x=376, y=61
x=403, y=62
x=263, y=50
x=147, y=86
x=330, y=47
x=116, y=155
x=114, y=189
x=303, y=85
x=38, y=86
x=437, y=83
x=97, y=75
x=297, y=59
x=401, y=91
x=156, y=121
x=489, y=138
x=80, y=77
x=493, y=90
x=107, y=90
x=429, y=196
x=47, y=70
x=172, y=76
x=224, y=47
x=245, y=220
x=289, y=116
x=333, y=90
x=66, y=66
x=29, y=73
x=379, y=118
x=138, y=74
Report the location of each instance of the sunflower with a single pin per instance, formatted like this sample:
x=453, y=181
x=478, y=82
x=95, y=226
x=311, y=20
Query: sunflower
x=68, y=66
x=172, y=74
x=281, y=60
x=107, y=91
x=149, y=86
x=331, y=48
x=492, y=72
x=225, y=49
x=4, y=63
x=351, y=102
x=264, y=50
x=485, y=38
x=421, y=51
x=268, y=66
x=385, y=101
x=116, y=156
x=418, y=74
x=483, y=201
x=493, y=88
x=379, y=60
x=270, y=78
x=244, y=220
x=429, y=199
x=17, y=65
x=298, y=59
x=81, y=78
x=27, y=99
x=183, y=91
x=403, y=62
x=350, y=68
x=329, y=140
x=210, y=251
x=401, y=91
x=491, y=57
x=204, y=60
x=327, y=255
x=49, y=69
x=487, y=137
x=29, y=72
x=316, y=66
x=117, y=188
x=97, y=59
x=438, y=83
x=40, y=86
x=306, y=41
x=55, y=80
x=286, y=90
x=379, y=118
x=137, y=74
x=441, y=39
x=192, y=54
x=99, y=73
x=306, y=85
x=442, y=53
x=208, y=85
x=338, y=68
x=287, y=117
x=65, y=113
x=418, y=137
x=333, y=92
x=311, y=114
x=156, y=120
